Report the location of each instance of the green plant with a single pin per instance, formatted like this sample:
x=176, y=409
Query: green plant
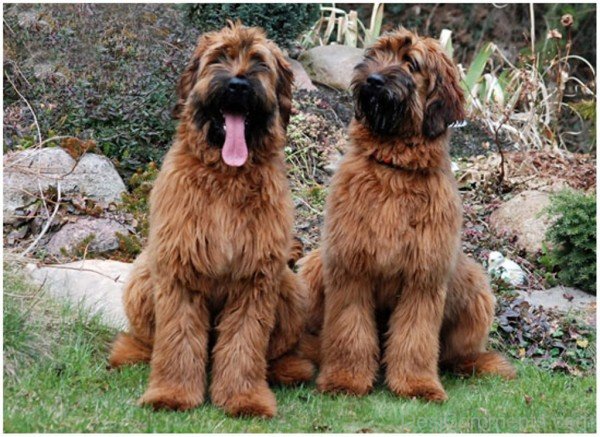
x=80, y=250
x=587, y=110
x=283, y=22
x=523, y=102
x=136, y=203
x=553, y=341
x=350, y=31
x=105, y=83
x=55, y=354
x=572, y=238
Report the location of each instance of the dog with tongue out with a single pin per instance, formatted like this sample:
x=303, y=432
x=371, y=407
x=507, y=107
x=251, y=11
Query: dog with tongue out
x=216, y=263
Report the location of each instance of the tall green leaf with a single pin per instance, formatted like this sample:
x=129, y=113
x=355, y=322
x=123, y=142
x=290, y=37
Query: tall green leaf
x=475, y=71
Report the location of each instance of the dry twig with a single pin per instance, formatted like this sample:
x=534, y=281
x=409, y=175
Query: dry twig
x=47, y=225
x=37, y=126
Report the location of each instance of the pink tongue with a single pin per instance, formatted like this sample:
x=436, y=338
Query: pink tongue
x=235, y=151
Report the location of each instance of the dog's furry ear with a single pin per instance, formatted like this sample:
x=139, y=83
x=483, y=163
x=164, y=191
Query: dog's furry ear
x=189, y=76
x=285, y=79
x=446, y=101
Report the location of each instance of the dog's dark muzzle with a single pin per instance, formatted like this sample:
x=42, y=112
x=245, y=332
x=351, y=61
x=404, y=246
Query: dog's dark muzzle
x=238, y=96
x=381, y=100
x=380, y=85
x=234, y=95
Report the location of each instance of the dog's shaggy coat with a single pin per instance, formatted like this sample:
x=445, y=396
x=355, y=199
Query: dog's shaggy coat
x=220, y=238
x=391, y=258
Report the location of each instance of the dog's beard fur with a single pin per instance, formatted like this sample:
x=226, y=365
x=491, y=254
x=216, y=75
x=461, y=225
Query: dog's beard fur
x=258, y=111
x=388, y=110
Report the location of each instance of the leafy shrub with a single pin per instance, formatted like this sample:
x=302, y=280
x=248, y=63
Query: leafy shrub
x=105, y=73
x=344, y=27
x=283, y=22
x=137, y=204
x=549, y=339
x=573, y=239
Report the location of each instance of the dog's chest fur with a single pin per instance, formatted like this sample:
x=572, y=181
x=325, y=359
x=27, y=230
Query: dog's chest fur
x=386, y=222
x=229, y=227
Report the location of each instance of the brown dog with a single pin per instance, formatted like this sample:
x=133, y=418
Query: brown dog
x=391, y=257
x=220, y=238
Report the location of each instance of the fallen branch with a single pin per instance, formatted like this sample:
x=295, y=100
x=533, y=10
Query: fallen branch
x=48, y=223
x=429, y=17
x=37, y=146
x=39, y=294
x=81, y=269
x=308, y=205
x=37, y=126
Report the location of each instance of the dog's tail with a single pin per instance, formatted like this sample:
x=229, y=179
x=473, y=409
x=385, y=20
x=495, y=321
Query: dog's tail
x=484, y=363
x=127, y=349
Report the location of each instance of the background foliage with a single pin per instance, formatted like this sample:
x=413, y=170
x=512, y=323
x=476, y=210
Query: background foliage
x=573, y=239
x=283, y=22
x=106, y=74
x=112, y=83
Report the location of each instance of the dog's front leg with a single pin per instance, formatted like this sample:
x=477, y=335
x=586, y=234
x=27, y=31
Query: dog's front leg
x=412, y=348
x=350, y=347
x=178, y=364
x=239, y=383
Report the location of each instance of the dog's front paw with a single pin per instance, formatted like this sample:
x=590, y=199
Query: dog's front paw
x=259, y=402
x=170, y=399
x=429, y=389
x=339, y=380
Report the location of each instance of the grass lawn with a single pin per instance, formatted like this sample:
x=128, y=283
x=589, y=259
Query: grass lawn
x=55, y=380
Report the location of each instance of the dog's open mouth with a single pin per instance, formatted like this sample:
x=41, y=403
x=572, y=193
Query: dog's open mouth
x=235, y=149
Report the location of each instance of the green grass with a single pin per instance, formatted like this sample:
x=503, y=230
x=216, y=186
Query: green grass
x=55, y=380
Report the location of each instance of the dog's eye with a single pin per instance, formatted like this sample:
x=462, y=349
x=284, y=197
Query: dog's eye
x=413, y=65
x=259, y=62
x=368, y=58
x=218, y=59
x=262, y=65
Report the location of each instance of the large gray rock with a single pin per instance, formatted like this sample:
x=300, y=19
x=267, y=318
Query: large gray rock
x=25, y=172
x=72, y=234
x=96, y=285
x=332, y=65
x=301, y=79
x=522, y=216
x=560, y=298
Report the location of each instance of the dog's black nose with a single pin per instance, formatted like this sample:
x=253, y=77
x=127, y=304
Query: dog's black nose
x=375, y=80
x=239, y=84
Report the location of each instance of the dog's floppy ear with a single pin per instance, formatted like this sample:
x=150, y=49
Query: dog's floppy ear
x=445, y=103
x=285, y=78
x=189, y=76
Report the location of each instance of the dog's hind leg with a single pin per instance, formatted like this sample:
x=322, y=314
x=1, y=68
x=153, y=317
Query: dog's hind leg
x=138, y=300
x=468, y=317
x=311, y=274
x=286, y=366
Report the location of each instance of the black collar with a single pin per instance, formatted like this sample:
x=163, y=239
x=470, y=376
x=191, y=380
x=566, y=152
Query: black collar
x=388, y=162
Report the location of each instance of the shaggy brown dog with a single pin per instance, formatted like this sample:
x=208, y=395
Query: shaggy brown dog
x=220, y=238
x=391, y=257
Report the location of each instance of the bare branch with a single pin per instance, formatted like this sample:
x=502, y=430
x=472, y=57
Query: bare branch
x=37, y=126
x=48, y=223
